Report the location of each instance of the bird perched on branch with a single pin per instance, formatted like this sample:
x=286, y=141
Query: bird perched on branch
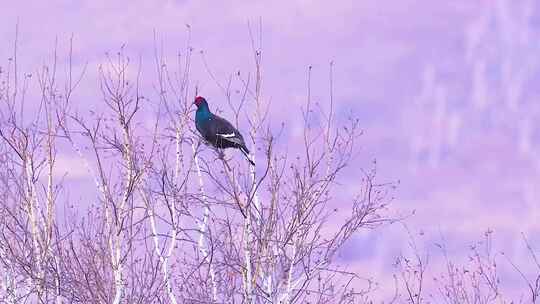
x=218, y=131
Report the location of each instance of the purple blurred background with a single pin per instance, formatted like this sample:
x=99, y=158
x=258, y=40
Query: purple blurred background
x=446, y=91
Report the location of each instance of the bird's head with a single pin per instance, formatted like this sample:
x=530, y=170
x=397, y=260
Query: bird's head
x=199, y=100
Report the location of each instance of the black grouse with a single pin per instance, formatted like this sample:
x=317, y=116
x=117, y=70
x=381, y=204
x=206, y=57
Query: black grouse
x=217, y=131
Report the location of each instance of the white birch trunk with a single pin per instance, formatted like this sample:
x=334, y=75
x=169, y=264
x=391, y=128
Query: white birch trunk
x=248, y=289
x=32, y=209
x=203, y=225
x=163, y=259
x=285, y=298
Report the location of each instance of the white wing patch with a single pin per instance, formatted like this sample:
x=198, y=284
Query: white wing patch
x=227, y=135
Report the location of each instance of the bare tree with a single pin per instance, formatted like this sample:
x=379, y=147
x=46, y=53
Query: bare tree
x=173, y=221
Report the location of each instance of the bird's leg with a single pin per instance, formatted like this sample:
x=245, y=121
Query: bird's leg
x=221, y=155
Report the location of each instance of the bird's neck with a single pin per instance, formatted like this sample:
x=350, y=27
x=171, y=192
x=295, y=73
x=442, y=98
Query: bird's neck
x=203, y=113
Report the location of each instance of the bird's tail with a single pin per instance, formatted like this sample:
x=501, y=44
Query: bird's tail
x=245, y=151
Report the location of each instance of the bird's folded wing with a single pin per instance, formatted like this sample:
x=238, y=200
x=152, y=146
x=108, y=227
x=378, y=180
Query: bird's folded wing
x=232, y=137
x=225, y=130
